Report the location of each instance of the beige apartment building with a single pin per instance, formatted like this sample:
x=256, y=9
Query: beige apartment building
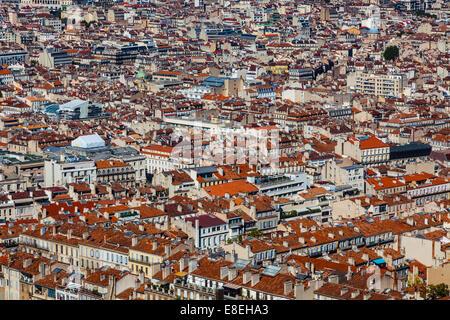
x=385, y=85
x=344, y=172
x=365, y=150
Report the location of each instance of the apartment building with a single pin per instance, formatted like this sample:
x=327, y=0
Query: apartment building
x=110, y=171
x=52, y=58
x=385, y=85
x=344, y=172
x=12, y=56
x=364, y=149
x=208, y=231
x=67, y=170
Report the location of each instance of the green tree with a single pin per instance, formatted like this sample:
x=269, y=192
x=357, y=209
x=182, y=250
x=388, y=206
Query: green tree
x=435, y=292
x=391, y=53
x=414, y=282
x=255, y=233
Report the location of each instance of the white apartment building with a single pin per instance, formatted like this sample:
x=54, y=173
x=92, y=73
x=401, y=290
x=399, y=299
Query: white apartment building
x=386, y=85
x=59, y=172
x=160, y=159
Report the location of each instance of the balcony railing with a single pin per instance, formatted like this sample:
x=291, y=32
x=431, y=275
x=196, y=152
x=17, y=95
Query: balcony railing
x=401, y=267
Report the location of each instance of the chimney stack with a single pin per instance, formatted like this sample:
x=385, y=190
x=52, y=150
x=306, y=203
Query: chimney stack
x=223, y=272
x=232, y=274
x=255, y=279
x=246, y=277
x=167, y=250
x=349, y=273
x=287, y=287
x=192, y=266
x=355, y=294
x=166, y=272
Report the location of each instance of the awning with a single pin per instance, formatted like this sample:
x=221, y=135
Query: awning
x=231, y=286
x=379, y=261
x=181, y=274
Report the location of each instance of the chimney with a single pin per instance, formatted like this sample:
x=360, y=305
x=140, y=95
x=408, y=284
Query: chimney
x=85, y=235
x=42, y=269
x=351, y=261
x=69, y=234
x=365, y=256
x=154, y=245
x=344, y=291
x=253, y=211
x=223, y=272
x=232, y=204
x=301, y=240
x=134, y=241
x=27, y=263
x=232, y=274
x=366, y=296
x=246, y=277
x=287, y=287
x=410, y=221
x=349, y=273
x=333, y=279
x=192, y=266
x=355, y=294
x=167, y=250
x=141, y=227
x=182, y=264
x=166, y=272
x=255, y=279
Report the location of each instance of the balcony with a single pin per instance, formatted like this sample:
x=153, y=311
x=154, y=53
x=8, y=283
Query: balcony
x=148, y=263
x=195, y=287
x=34, y=246
x=161, y=290
x=401, y=267
x=94, y=293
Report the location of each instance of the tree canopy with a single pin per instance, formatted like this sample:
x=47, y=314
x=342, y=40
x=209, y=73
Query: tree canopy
x=391, y=53
x=435, y=292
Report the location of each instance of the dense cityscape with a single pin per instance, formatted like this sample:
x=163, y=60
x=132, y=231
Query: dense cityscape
x=224, y=150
